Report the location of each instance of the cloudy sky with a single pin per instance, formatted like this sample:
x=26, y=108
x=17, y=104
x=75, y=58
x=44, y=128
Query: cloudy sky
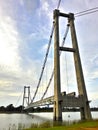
x=25, y=27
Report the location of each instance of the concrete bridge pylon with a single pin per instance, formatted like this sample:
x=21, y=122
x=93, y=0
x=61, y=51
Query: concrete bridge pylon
x=26, y=96
x=59, y=101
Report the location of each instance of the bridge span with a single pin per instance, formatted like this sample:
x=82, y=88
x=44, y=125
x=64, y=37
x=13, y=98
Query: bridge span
x=67, y=100
x=61, y=99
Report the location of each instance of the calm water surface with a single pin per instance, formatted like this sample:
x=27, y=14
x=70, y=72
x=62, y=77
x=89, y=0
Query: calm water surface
x=15, y=121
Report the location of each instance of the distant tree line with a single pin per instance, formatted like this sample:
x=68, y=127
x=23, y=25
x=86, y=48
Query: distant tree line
x=50, y=109
x=11, y=109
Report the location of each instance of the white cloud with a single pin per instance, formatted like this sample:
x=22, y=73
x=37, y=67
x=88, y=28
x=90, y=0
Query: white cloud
x=17, y=68
x=9, y=56
x=8, y=43
x=30, y=5
x=45, y=5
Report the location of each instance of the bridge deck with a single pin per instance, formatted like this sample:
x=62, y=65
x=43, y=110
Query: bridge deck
x=67, y=100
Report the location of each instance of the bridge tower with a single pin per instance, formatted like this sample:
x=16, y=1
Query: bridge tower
x=85, y=109
x=26, y=95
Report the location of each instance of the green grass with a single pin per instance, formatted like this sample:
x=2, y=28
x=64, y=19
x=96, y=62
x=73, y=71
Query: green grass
x=76, y=126
x=93, y=123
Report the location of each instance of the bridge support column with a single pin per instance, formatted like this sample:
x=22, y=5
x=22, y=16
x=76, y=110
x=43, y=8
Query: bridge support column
x=85, y=111
x=57, y=87
x=26, y=95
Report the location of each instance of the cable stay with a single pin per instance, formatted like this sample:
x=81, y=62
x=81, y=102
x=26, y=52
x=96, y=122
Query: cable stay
x=64, y=38
x=45, y=60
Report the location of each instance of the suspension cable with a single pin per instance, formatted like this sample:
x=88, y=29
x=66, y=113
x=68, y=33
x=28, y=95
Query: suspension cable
x=85, y=12
x=66, y=74
x=47, y=52
x=58, y=4
x=43, y=67
x=18, y=99
x=65, y=35
x=64, y=38
x=48, y=85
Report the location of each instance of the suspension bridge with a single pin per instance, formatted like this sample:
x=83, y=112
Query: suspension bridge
x=62, y=99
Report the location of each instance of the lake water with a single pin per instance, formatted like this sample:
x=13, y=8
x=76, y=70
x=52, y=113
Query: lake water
x=15, y=121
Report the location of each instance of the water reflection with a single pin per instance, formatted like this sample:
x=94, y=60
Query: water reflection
x=13, y=121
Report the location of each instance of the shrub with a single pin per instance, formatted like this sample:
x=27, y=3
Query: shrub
x=46, y=124
x=34, y=125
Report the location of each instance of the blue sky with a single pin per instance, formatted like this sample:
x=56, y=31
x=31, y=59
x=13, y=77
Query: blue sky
x=25, y=27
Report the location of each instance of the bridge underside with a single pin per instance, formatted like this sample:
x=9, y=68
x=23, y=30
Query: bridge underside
x=67, y=100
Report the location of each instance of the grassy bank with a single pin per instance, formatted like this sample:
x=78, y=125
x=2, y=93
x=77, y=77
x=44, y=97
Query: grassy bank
x=75, y=126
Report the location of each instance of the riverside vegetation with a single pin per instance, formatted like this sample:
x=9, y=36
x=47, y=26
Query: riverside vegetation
x=81, y=125
x=48, y=125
